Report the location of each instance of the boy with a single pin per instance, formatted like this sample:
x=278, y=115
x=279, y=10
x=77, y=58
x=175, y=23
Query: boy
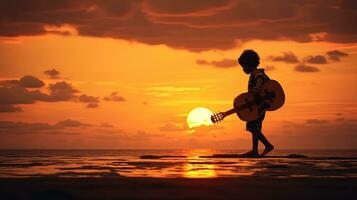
x=249, y=60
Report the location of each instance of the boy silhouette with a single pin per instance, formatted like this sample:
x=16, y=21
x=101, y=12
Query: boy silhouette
x=249, y=61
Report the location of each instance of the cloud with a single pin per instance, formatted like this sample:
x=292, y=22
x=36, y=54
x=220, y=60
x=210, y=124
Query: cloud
x=195, y=26
x=172, y=127
x=68, y=126
x=10, y=127
x=31, y=82
x=225, y=63
x=317, y=133
x=288, y=57
x=177, y=8
x=71, y=123
x=203, y=130
x=316, y=121
x=9, y=108
x=62, y=91
x=20, y=95
x=14, y=92
x=52, y=73
x=25, y=81
x=92, y=105
x=114, y=97
x=336, y=55
x=318, y=59
x=306, y=68
x=143, y=135
x=269, y=68
x=92, y=101
x=107, y=125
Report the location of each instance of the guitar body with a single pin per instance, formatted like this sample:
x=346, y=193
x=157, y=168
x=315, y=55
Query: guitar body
x=251, y=112
x=249, y=107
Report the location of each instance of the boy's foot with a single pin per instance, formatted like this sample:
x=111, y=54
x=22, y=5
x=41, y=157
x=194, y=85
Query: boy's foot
x=251, y=154
x=267, y=150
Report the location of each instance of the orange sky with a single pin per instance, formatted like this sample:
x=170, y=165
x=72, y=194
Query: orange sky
x=130, y=72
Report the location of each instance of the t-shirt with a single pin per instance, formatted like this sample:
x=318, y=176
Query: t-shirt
x=254, y=76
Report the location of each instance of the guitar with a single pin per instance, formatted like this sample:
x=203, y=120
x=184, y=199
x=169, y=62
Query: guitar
x=249, y=106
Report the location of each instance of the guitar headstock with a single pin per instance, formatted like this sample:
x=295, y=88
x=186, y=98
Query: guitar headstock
x=217, y=117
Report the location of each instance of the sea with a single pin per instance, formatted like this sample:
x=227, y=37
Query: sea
x=184, y=163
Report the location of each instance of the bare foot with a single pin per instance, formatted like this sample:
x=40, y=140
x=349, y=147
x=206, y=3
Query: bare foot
x=267, y=150
x=251, y=154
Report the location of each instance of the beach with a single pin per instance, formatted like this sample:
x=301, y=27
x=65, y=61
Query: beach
x=178, y=188
x=176, y=174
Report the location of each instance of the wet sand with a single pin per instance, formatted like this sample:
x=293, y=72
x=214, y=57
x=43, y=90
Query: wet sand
x=253, y=187
x=173, y=174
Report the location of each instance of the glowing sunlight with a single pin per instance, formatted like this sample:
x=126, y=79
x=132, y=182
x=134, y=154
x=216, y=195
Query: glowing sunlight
x=198, y=117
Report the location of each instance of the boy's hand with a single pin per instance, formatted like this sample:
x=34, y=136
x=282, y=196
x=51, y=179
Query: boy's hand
x=258, y=99
x=255, y=91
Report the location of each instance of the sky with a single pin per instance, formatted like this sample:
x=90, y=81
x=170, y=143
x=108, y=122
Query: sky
x=125, y=74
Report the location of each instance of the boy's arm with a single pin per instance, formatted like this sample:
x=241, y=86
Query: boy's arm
x=258, y=85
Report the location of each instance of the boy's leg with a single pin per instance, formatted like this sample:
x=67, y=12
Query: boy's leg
x=264, y=140
x=254, y=152
x=268, y=146
x=255, y=141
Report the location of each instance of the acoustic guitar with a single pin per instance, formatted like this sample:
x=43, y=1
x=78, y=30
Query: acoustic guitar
x=249, y=106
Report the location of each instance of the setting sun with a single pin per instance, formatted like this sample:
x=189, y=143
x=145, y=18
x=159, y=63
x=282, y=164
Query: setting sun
x=198, y=117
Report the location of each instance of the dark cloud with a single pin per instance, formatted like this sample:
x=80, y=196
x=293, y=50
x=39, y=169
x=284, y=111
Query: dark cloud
x=88, y=99
x=62, y=91
x=13, y=92
x=20, y=95
x=31, y=82
x=194, y=25
x=61, y=127
x=178, y=8
x=71, y=123
x=9, y=108
x=288, y=57
x=306, y=68
x=10, y=127
x=114, y=97
x=318, y=59
x=25, y=81
x=225, y=63
x=92, y=105
x=9, y=83
x=52, y=73
x=92, y=101
x=336, y=55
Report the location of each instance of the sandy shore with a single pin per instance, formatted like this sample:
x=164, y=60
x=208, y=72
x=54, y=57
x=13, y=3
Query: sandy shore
x=178, y=188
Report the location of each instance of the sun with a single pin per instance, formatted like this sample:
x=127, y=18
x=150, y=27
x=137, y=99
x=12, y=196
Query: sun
x=198, y=117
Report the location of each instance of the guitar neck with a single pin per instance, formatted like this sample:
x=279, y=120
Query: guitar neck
x=229, y=112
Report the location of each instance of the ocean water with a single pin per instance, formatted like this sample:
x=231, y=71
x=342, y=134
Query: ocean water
x=193, y=163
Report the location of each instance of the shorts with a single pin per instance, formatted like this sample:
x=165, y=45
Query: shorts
x=255, y=125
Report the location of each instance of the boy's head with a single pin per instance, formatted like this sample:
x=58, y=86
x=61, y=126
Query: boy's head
x=249, y=60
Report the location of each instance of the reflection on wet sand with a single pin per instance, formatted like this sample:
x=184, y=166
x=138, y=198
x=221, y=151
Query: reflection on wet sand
x=197, y=167
x=172, y=163
x=199, y=171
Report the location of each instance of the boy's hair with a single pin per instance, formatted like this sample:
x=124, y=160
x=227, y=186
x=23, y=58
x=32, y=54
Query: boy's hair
x=249, y=58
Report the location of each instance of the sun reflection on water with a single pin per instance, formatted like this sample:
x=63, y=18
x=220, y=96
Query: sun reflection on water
x=199, y=171
x=197, y=167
